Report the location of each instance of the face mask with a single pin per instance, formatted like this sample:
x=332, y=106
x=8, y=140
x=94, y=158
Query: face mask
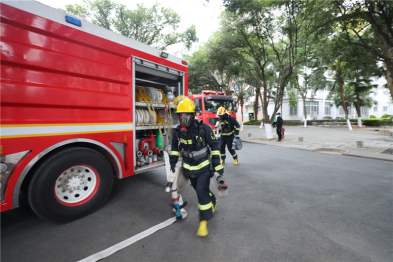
x=185, y=120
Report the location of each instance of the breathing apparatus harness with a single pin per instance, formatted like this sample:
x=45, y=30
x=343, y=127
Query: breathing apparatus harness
x=226, y=125
x=201, y=149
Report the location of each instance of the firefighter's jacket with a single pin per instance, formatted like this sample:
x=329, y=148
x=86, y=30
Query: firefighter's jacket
x=191, y=144
x=229, y=126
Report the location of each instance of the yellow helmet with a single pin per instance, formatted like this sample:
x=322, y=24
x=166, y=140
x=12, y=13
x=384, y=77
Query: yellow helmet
x=184, y=104
x=221, y=111
x=185, y=111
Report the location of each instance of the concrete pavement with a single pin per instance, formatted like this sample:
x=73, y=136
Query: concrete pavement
x=332, y=140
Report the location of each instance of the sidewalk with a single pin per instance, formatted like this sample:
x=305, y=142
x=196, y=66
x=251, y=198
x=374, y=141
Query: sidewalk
x=327, y=140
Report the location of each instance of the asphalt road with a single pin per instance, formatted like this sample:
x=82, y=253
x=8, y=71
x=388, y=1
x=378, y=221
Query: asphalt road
x=284, y=205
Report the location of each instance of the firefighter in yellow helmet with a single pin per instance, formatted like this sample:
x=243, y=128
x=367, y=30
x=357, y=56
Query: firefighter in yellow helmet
x=195, y=142
x=229, y=132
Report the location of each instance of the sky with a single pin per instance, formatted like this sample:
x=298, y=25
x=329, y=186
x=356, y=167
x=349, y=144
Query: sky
x=205, y=16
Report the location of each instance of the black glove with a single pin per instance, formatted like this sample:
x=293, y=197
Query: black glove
x=173, y=168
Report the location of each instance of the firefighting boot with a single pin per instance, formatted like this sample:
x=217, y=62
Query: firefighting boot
x=236, y=163
x=222, y=162
x=202, y=230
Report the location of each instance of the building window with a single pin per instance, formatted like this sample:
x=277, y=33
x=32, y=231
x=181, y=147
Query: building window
x=375, y=93
x=363, y=111
x=293, y=110
x=349, y=110
x=327, y=109
x=385, y=108
x=341, y=110
x=375, y=109
x=312, y=108
x=259, y=108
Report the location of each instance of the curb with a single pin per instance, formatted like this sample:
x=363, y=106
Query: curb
x=312, y=150
x=370, y=157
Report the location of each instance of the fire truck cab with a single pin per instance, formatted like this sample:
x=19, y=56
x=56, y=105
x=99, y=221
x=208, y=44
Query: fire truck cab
x=207, y=104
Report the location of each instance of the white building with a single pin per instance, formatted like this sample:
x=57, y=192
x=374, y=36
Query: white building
x=382, y=96
x=319, y=107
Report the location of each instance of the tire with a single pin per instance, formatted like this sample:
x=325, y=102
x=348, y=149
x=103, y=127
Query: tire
x=70, y=184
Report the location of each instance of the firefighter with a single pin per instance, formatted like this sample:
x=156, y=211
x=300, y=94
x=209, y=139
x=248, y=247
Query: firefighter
x=229, y=132
x=195, y=142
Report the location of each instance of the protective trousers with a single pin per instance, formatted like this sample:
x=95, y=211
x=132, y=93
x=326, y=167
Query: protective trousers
x=206, y=198
x=227, y=141
x=279, y=133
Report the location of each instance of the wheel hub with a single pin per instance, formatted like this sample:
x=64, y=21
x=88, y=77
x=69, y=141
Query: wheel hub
x=76, y=184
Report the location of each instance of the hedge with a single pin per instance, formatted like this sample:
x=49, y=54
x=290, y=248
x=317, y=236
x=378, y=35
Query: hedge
x=365, y=121
x=340, y=120
x=286, y=122
x=252, y=122
x=377, y=122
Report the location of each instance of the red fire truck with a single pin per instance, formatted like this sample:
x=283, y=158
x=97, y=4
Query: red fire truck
x=208, y=102
x=80, y=105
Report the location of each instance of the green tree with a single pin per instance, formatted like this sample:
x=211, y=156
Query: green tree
x=271, y=38
x=156, y=26
x=367, y=24
x=352, y=68
x=212, y=68
x=361, y=68
x=312, y=78
x=243, y=94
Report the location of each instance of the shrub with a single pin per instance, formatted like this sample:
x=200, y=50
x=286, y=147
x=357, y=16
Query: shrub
x=372, y=122
x=386, y=116
x=372, y=116
x=252, y=122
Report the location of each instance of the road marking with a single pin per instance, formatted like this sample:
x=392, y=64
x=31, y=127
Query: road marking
x=109, y=251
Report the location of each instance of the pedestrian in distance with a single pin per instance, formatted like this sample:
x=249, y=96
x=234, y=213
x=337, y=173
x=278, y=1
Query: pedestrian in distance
x=196, y=142
x=279, y=123
x=229, y=133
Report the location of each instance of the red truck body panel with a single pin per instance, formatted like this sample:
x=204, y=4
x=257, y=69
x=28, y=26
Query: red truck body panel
x=54, y=75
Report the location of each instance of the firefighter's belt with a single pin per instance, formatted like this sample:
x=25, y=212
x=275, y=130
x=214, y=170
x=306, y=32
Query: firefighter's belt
x=196, y=155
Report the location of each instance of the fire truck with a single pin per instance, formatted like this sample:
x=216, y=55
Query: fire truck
x=207, y=104
x=80, y=106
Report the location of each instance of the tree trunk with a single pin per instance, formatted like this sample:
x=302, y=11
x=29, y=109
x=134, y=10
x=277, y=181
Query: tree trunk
x=357, y=106
x=241, y=109
x=256, y=103
x=340, y=81
x=304, y=111
x=389, y=76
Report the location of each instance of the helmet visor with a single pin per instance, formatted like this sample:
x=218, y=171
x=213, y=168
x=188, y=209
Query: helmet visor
x=185, y=118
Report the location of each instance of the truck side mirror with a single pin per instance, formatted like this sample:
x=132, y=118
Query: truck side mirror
x=198, y=109
x=235, y=107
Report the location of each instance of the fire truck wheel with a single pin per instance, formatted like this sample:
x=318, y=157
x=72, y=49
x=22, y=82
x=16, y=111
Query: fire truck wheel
x=70, y=184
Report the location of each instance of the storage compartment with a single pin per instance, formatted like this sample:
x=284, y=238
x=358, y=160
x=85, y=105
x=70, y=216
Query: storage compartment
x=155, y=87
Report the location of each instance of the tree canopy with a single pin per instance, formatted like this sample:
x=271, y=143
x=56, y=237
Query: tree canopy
x=275, y=42
x=156, y=26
